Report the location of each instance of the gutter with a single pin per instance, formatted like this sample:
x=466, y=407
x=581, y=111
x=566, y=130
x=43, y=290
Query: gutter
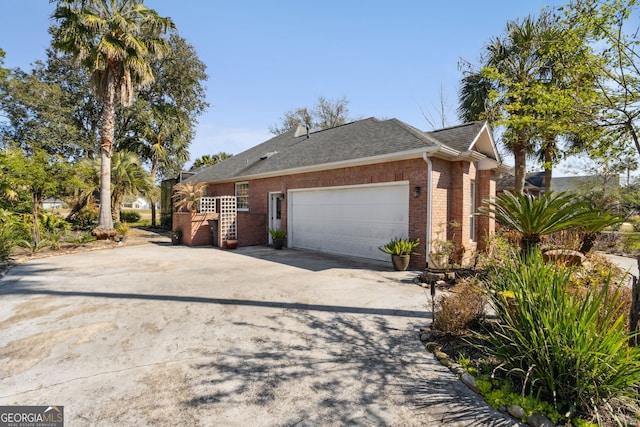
x=425, y=157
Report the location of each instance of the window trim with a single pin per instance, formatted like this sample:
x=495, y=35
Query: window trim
x=238, y=204
x=472, y=217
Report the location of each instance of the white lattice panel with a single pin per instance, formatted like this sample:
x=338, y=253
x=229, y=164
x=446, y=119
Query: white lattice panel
x=207, y=205
x=228, y=214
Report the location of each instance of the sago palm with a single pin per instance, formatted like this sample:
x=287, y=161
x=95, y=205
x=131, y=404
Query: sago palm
x=115, y=40
x=536, y=217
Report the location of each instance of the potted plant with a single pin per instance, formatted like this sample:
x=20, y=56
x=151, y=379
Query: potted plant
x=400, y=250
x=176, y=236
x=232, y=243
x=441, y=251
x=187, y=194
x=278, y=235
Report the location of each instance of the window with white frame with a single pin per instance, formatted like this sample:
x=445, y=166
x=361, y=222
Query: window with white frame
x=472, y=218
x=242, y=196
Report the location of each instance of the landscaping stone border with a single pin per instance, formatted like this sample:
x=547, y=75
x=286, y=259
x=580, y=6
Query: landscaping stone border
x=515, y=411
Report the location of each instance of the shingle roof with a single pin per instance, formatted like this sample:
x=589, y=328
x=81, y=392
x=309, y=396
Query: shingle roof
x=357, y=140
x=459, y=137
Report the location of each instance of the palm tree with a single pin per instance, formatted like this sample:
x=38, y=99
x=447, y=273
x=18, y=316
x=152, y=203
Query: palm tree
x=534, y=217
x=186, y=195
x=128, y=178
x=115, y=40
x=162, y=139
x=500, y=91
x=209, y=160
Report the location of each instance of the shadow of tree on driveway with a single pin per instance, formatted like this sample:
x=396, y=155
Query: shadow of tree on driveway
x=307, y=368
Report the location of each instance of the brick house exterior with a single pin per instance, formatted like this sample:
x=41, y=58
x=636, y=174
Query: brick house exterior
x=440, y=177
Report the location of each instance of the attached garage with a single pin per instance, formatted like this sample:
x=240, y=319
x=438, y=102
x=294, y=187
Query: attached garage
x=349, y=220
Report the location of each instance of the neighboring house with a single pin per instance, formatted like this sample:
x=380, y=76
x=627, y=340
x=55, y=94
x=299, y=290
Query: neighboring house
x=352, y=188
x=534, y=183
x=138, y=203
x=52, y=203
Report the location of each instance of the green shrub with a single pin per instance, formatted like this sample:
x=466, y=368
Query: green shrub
x=567, y=348
x=498, y=393
x=129, y=216
x=86, y=217
x=84, y=237
x=122, y=228
x=9, y=238
x=54, y=223
x=400, y=246
x=12, y=231
x=33, y=246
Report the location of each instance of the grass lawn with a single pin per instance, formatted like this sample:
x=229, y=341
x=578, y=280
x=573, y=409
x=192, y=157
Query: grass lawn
x=145, y=215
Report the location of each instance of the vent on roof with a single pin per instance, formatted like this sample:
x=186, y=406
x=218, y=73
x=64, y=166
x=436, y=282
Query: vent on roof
x=301, y=130
x=267, y=155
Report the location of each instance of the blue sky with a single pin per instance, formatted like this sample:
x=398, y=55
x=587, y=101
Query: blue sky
x=390, y=59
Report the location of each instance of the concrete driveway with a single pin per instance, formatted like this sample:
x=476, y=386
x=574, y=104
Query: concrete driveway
x=171, y=335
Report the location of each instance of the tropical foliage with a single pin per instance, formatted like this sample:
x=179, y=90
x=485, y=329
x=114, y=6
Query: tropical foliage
x=534, y=217
x=570, y=349
x=523, y=86
x=209, y=160
x=400, y=246
x=186, y=195
x=115, y=41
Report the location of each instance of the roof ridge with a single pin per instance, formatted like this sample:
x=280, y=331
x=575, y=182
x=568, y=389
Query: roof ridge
x=311, y=132
x=415, y=131
x=458, y=126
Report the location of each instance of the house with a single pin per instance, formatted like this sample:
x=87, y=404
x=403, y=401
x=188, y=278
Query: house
x=52, y=203
x=135, y=203
x=534, y=183
x=350, y=189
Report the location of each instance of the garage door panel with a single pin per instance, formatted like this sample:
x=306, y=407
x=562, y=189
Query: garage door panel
x=353, y=221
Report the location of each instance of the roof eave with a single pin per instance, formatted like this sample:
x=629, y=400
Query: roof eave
x=435, y=151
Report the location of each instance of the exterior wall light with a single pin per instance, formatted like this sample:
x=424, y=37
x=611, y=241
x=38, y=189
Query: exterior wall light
x=416, y=191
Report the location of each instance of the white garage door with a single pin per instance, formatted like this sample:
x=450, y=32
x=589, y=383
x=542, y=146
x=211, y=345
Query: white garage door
x=349, y=220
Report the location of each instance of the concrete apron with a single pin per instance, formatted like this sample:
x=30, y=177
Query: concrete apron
x=172, y=335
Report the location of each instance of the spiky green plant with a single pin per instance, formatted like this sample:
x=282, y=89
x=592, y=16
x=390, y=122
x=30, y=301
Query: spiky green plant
x=571, y=349
x=534, y=217
x=400, y=246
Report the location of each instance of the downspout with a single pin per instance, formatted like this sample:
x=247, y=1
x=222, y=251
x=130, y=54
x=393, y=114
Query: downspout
x=425, y=157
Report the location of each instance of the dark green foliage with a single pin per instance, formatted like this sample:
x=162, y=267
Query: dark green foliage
x=129, y=216
x=535, y=217
x=569, y=348
x=86, y=217
x=11, y=233
x=400, y=246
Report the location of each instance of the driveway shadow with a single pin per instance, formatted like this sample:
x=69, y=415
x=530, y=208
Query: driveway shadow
x=308, y=368
x=312, y=260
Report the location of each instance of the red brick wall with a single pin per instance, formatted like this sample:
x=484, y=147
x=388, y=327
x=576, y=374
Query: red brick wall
x=253, y=224
x=195, y=227
x=486, y=188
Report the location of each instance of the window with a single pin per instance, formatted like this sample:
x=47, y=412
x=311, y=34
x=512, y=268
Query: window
x=472, y=218
x=242, y=196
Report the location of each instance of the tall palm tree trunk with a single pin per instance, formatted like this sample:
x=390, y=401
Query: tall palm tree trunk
x=549, y=147
x=36, y=225
x=152, y=199
x=105, y=229
x=520, y=160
